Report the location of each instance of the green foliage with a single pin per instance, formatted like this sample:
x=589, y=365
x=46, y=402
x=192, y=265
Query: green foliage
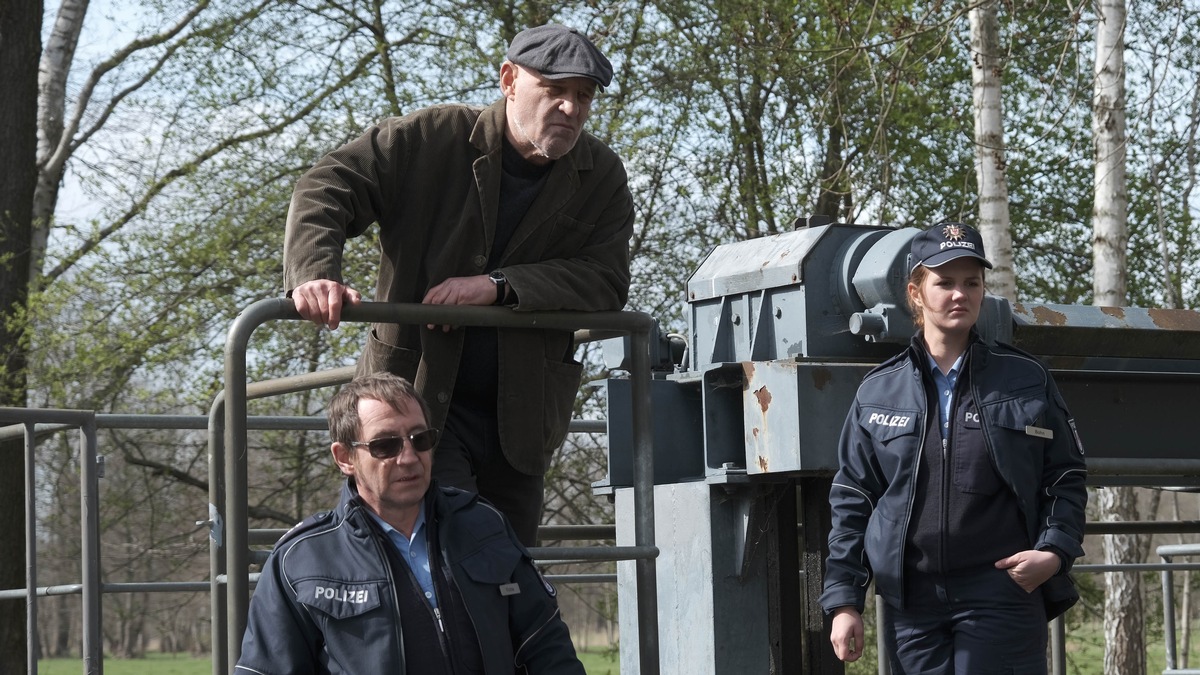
x=734, y=118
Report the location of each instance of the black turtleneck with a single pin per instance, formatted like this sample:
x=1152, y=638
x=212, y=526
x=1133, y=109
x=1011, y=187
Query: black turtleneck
x=521, y=181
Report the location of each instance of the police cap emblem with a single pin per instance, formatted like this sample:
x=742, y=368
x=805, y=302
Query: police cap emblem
x=953, y=232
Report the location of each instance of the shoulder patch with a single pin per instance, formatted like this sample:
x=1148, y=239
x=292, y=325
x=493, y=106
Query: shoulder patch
x=339, y=599
x=304, y=526
x=1075, y=433
x=550, y=590
x=887, y=363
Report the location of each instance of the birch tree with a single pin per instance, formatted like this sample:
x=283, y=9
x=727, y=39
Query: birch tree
x=990, y=161
x=1163, y=128
x=52, y=153
x=20, y=40
x=1124, y=648
x=1110, y=236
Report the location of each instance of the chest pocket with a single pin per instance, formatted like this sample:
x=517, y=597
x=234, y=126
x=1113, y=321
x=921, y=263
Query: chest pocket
x=896, y=436
x=1018, y=452
x=974, y=471
x=339, y=600
x=491, y=565
x=568, y=235
x=886, y=424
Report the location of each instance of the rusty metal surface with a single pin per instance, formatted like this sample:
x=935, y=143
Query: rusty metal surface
x=1088, y=316
x=1108, y=332
x=793, y=413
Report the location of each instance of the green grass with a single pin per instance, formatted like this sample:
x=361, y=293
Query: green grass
x=153, y=664
x=594, y=662
x=1084, y=645
x=601, y=662
x=1085, y=652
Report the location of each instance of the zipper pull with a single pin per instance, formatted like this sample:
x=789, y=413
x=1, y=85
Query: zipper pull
x=945, y=446
x=437, y=614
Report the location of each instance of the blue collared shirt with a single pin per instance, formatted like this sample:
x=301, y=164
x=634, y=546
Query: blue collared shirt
x=414, y=551
x=945, y=384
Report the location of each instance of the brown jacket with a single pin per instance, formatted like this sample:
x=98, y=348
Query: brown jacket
x=431, y=180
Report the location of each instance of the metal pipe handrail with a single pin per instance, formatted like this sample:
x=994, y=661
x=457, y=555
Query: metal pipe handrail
x=71, y=419
x=589, y=532
x=89, y=524
x=31, y=638
x=635, y=324
x=217, y=493
x=1142, y=527
x=1167, y=552
x=109, y=588
x=565, y=555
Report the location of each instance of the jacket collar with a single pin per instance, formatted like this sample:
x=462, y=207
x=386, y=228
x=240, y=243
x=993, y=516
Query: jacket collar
x=563, y=182
x=439, y=501
x=976, y=350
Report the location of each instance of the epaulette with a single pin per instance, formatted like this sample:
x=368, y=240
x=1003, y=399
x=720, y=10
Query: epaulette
x=888, y=362
x=1022, y=352
x=308, y=524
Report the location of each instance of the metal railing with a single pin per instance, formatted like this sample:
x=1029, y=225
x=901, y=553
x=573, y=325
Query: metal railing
x=232, y=453
x=1169, y=552
x=228, y=423
x=34, y=423
x=89, y=488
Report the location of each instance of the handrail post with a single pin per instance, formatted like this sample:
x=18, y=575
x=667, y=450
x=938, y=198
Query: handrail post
x=1168, y=582
x=237, y=545
x=217, y=494
x=237, y=584
x=31, y=635
x=93, y=644
x=1058, y=645
x=218, y=601
x=643, y=504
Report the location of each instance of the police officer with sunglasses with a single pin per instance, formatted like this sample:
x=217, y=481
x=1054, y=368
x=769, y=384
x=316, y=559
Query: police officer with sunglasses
x=403, y=576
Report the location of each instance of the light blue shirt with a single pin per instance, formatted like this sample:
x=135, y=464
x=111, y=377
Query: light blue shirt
x=414, y=551
x=945, y=384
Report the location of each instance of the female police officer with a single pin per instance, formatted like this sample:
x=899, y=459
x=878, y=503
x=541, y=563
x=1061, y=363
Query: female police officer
x=961, y=487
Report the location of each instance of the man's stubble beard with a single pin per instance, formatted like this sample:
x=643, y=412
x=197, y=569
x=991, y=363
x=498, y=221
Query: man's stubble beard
x=541, y=150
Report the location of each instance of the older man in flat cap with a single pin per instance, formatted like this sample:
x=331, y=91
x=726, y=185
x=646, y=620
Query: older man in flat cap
x=513, y=204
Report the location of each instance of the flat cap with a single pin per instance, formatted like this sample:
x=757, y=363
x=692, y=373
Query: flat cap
x=558, y=52
x=944, y=242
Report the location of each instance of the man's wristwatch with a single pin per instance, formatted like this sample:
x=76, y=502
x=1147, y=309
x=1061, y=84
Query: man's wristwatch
x=501, y=282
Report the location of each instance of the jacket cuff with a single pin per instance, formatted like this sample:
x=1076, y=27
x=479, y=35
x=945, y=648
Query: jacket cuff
x=834, y=598
x=1065, y=562
x=1061, y=542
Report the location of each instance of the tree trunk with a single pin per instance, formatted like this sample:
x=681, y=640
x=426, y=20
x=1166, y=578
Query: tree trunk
x=64, y=618
x=1110, y=235
x=20, y=44
x=1185, y=625
x=1185, y=601
x=52, y=96
x=829, y=203
x=1124, y=648
x=990, y=162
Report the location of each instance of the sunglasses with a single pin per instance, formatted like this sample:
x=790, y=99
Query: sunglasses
x=390, y=446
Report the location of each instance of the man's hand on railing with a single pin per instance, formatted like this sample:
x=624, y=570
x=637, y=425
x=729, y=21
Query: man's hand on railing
x=321, y=301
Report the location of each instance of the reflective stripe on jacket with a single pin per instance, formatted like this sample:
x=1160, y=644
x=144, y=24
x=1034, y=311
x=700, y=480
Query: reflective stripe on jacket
x=1030, y=437
x=325, y=602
